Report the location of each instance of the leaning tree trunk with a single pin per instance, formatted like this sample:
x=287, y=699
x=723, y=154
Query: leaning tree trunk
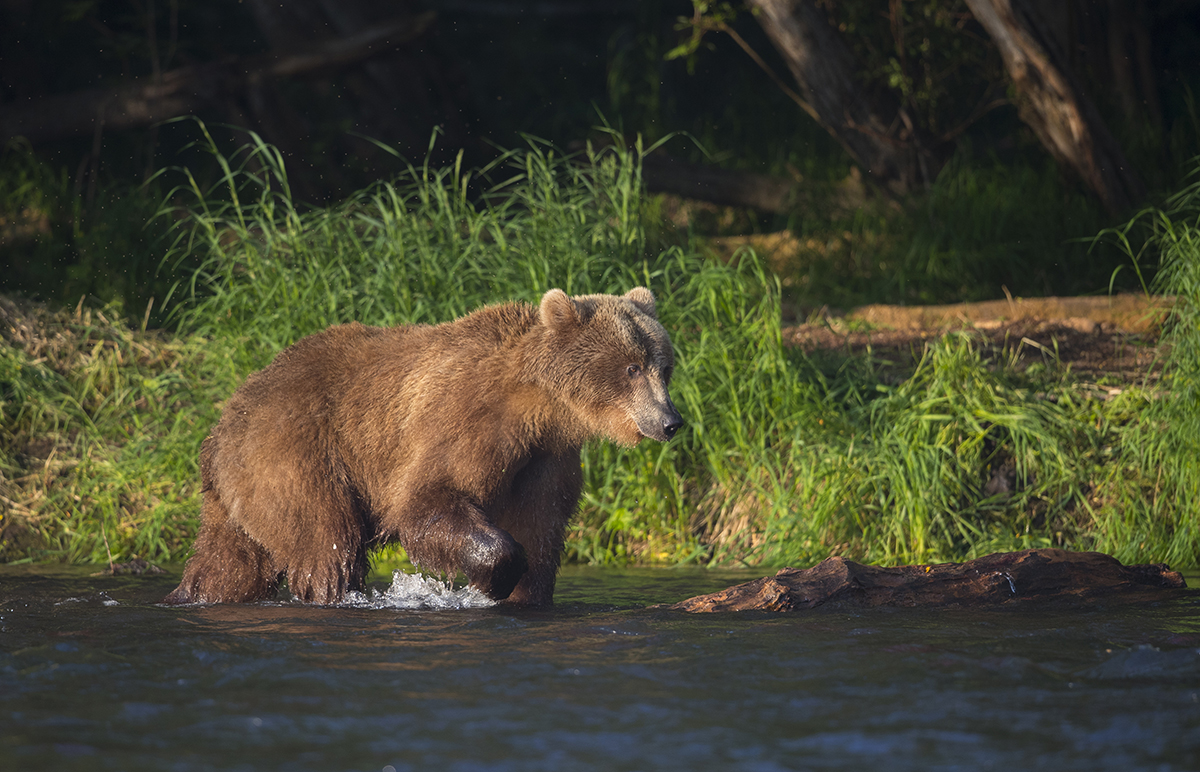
x=1052, y=103
x=871, y=126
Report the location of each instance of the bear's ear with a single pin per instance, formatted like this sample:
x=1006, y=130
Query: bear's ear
x=557, y=310
x=643, y=299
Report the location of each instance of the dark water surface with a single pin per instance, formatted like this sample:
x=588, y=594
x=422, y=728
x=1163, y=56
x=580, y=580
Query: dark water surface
x=95, y=676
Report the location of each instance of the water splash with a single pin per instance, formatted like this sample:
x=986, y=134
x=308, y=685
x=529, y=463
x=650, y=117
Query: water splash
x=414, y=591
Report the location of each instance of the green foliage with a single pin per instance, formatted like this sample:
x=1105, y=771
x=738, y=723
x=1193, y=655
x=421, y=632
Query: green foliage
x=418, y=249
x=60, y=243
x=99, y=426
x=784, y=459
x=1157, y=480
x=706, y=17
x=983, y=227
x=930, y=53
x=962, y=458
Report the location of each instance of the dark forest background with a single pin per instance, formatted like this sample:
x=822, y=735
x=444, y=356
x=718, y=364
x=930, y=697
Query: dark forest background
x=969, y=200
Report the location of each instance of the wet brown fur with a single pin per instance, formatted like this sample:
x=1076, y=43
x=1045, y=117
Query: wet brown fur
x=461, y=441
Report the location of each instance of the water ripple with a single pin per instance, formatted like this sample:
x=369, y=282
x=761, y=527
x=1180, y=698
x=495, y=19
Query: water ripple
x=414, y=591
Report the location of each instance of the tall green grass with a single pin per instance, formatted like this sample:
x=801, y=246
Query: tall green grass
x=438, y=242
x=429, y=246
x=982, y=227
x=99, y=425
x=784, y=459
x=1156, y=483
x=966, y=456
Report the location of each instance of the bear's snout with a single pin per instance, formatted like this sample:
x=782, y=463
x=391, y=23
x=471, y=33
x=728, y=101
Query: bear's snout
x=660, y=423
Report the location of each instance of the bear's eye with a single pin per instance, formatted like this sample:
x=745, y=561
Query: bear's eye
x=633, y=371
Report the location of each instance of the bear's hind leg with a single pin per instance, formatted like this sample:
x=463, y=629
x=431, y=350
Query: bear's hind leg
x=324, y=578
x=228, y=566
x=326, y=549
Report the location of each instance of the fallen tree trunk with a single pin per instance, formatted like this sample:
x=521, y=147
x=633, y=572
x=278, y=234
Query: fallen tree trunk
x=765, y=193
x=1003, y=578
x=188, y=90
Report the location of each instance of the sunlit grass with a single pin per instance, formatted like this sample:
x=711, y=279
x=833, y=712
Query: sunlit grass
x=99, y=426
x=1155, y=485
x=783, y=459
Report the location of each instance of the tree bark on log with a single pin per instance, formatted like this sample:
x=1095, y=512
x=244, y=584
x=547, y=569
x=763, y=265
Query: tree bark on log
x=188, y=90
x=1052, y=103
x=1000, y=579
x=876, y=132
x=765, y=193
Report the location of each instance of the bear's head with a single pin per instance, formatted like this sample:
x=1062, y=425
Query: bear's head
x=611, y=363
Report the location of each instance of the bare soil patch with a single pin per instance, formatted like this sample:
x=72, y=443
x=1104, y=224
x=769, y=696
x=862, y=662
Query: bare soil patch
x=1110, y=341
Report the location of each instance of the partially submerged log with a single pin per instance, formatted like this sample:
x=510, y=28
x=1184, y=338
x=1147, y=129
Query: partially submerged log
x=999, y=579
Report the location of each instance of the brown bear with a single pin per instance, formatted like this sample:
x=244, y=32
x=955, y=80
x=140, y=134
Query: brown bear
x=459, y=440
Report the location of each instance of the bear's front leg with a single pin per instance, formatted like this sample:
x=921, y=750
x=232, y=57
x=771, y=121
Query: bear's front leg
x=446, y=532
x=494, y=562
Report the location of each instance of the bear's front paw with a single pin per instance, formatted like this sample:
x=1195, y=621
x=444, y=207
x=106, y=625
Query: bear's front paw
x=494, y=562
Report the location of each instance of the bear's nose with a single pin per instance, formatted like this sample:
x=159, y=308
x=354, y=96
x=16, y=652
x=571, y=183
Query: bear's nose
x=672, y=425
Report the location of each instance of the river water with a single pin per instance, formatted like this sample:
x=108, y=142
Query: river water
x=95, y=676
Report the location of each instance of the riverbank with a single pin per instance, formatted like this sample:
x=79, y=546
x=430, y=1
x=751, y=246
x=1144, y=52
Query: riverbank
x=790, y=454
